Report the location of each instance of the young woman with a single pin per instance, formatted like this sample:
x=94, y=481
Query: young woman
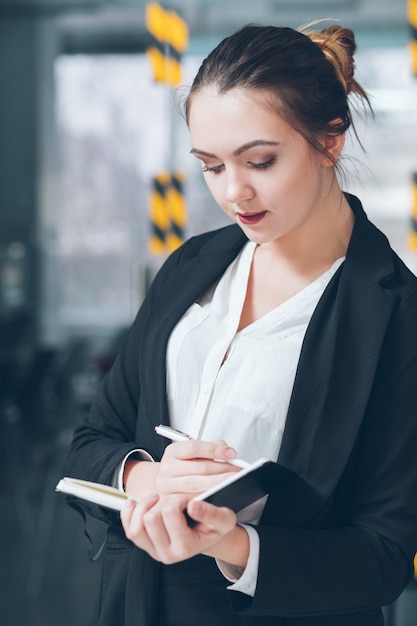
x=290, y=335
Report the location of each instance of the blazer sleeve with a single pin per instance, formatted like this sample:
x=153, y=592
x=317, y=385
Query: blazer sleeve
x=364, y=558
x=107, y=433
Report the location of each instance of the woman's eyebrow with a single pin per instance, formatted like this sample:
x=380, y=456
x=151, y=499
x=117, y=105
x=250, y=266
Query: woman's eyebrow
x=238, y=151
x=254, y=144
x=202, y=152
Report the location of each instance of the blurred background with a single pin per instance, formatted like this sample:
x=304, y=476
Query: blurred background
x=96, y=188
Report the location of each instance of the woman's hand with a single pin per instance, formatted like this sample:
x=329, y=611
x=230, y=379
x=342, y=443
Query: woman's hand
x=190, y=467
x=157, y=524
x=187, y=467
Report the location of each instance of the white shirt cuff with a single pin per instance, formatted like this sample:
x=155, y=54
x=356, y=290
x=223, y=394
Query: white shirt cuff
x=244, y=579
x=118, y=474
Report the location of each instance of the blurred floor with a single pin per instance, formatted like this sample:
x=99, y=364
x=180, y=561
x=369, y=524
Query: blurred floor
x=46, y=577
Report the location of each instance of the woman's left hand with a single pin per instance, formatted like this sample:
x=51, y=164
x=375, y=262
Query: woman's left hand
x=157, y=524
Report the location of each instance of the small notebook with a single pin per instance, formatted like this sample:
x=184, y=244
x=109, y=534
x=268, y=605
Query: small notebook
x=235, y=492
x=94, y=492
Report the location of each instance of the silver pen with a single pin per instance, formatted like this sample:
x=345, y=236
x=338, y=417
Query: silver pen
x=177, y=435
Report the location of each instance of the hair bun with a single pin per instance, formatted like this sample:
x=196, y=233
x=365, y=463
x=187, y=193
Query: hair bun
x=339, y=46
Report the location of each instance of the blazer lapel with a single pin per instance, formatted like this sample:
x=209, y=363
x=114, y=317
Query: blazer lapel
x=188, y=282
x=338, y=363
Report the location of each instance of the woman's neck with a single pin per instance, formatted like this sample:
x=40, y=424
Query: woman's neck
x=319, y=242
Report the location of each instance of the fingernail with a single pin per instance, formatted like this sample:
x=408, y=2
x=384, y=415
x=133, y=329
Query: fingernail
x=230, y=453
x=197, y=508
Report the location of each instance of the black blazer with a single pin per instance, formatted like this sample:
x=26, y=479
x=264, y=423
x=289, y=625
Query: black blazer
x=351, y=433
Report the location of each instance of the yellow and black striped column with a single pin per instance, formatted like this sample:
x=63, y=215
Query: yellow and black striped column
x=412, y=20
x=170, y=39
x=167, y=209
x=168, y=214
x=177, y=211
x=159, y=214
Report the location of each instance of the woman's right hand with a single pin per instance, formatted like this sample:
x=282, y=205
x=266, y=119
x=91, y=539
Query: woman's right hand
x=187, y=467
x=190, y=467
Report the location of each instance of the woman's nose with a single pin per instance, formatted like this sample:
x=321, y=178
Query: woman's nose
x=237, y=188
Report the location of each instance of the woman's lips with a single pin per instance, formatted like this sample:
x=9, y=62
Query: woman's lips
x=251, y=218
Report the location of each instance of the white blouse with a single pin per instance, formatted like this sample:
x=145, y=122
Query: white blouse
x=243, y=399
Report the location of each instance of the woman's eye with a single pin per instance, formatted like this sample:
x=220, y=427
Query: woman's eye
x=216, y=169
x=264, y=165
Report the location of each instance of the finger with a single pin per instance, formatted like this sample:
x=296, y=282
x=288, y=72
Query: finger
x=221, y=519
x=168, y=530
x=136, y=529
x=196, y=449
x=133, y=512
x=196, y=482
x=154, y=527
x=182, y=467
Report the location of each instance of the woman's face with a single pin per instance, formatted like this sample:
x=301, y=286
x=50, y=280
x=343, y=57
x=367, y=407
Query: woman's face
x=260, y=171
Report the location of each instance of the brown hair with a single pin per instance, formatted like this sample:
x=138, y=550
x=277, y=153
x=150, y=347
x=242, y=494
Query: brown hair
x=306, y=75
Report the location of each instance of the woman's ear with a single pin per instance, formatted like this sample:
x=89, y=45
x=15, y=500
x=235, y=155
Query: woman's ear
x=332, y=147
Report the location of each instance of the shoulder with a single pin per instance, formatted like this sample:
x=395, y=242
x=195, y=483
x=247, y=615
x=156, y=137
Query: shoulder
x=213, y=242
x=222, y=242
x=198, y=261
x=370, y=257
x=405, y=281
